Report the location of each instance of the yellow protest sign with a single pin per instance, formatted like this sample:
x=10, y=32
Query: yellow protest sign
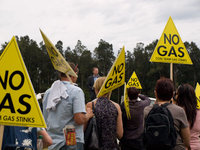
x=57, y=59
x=116, y=75
x=126, y=102
x=170, y=48
x=197, y=91
x=134, y=81
x=18, y=104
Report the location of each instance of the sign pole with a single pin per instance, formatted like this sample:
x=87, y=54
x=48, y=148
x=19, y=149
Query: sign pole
x=69, y=78
x=1, y=135
x=171, y=71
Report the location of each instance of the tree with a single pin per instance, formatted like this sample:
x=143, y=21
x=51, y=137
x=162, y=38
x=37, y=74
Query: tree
x=141, y=64
x=189, y=73
x=48, y=73
x=129, y=65
x=104, y=56
x=79, y=48
x=82, y=57
x=3, y=46
x=156, y=70
x=59, y=46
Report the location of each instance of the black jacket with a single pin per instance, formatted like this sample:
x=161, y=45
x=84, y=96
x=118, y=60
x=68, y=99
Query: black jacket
x=90, y=86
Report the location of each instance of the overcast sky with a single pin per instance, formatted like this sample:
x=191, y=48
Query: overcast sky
x=120, y=22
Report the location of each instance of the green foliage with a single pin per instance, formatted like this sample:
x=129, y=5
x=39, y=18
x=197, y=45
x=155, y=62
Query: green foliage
x=42, y=73
x=104, y=56
x=59, y=46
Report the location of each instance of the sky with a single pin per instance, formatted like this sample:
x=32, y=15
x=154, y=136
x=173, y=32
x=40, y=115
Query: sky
x=119, y=22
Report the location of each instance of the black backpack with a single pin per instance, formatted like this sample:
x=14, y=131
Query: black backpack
x=159, y=130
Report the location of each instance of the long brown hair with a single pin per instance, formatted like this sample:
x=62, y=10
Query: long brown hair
x=187, y=99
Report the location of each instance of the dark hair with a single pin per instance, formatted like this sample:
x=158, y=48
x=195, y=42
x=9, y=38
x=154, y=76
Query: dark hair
x=73, y=66
x=132, y=93
x=164, y=89
x=187, y=99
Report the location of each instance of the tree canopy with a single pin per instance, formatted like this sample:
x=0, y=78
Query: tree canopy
x=42, y=73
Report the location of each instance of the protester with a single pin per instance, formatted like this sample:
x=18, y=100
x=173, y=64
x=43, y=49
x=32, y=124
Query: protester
x=64, y=104
x=164, y=93
x=91, y=81
x=109, y=118
x=186, y=98
x=133, y=128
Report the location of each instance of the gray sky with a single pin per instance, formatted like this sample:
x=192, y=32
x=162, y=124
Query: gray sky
x=120, y=22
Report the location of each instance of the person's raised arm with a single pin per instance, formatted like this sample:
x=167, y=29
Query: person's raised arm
x=145, y=100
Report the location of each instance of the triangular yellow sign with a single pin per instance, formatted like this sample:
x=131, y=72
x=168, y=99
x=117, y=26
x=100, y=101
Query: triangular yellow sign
x=57, y=59
x=18, y=104
x=134, y=81
x=197, y=91
x=116, y=75
x=126, y=102
x=170, y=48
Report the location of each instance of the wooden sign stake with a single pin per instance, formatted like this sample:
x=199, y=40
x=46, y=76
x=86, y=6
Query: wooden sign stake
x=171, y=71
x=1, y=135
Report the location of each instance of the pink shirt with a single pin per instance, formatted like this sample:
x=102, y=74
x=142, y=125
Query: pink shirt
x=195, y=133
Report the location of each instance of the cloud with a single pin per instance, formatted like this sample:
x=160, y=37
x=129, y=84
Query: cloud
x=120, y=22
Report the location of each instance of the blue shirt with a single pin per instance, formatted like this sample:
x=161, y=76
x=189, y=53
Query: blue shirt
x=95, y=77
x=63, y=115
x=19, y=137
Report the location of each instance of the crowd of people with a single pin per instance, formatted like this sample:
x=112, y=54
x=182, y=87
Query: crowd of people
x=172, y=122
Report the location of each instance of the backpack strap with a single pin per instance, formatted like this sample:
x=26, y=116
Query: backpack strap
x=151, y=111
x=165, y=108
x=93, y=107
x=155, y=106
